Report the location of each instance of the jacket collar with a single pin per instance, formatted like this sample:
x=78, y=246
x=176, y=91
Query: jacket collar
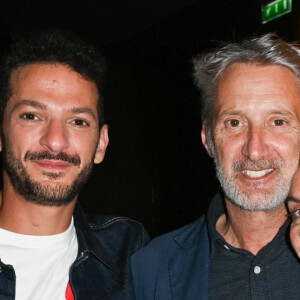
x=189, y=265
x=189, y=236
x=87, y=240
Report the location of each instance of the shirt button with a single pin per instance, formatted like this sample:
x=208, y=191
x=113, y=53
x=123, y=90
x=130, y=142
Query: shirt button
x=257, y=269
x=226, y=247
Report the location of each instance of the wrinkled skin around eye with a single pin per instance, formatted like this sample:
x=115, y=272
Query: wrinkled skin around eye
x=295, y=232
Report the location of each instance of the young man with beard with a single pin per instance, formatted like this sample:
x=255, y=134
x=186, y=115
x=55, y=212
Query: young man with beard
x=251, y=128
x=52, y=132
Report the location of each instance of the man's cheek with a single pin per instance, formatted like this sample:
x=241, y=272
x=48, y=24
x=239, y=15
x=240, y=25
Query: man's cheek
x=295, y=235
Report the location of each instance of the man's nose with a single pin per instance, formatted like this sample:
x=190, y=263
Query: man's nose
x=255, y=146
x=55, y=136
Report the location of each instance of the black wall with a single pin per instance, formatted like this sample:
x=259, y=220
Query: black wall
x=156, y=169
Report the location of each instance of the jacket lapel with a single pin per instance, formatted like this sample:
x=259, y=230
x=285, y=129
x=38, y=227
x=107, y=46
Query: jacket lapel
x=189, y=266
x=94, y=266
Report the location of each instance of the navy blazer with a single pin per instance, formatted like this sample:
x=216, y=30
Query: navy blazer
x=174, y=266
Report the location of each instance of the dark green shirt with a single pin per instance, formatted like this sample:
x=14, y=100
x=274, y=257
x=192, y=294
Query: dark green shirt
x=274, y=273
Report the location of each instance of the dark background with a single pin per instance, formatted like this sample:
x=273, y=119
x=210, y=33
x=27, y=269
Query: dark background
x=156, y=169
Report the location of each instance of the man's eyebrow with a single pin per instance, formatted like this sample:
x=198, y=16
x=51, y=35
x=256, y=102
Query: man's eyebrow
x=281, y=112
x=239, y=112
x=228, y=113
x=36, y=104
x=29, y=103
x=84, y=110
x=231, y=112
x=292, y=199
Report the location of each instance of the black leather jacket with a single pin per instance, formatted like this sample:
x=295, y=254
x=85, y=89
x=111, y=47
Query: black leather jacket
x=102, y=269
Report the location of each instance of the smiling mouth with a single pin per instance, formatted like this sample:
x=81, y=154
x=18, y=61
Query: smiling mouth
x=257, y=174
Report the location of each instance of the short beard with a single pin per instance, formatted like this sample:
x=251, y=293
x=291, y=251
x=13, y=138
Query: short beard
x=36, y=192
x=262, y=201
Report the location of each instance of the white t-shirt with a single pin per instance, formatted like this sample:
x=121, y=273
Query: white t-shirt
x=41, y=263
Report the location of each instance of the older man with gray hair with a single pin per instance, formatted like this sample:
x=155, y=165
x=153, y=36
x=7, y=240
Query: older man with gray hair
x=251, y=128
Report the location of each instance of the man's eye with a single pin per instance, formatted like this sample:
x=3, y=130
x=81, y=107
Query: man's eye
x=29, y=116
x=295, y=214
x=234, y=123
x=79, y=122
x=279, y=122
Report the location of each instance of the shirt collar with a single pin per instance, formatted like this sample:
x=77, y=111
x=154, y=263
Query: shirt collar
x=216, y=208
x=87, y=241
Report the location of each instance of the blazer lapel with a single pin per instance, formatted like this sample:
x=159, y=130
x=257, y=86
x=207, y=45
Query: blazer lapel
x=189, y=267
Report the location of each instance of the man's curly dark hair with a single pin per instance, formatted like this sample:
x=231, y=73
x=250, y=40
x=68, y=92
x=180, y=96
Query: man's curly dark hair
x=51, y=46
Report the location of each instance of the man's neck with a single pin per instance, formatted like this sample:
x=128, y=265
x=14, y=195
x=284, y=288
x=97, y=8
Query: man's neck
x=250, y=230
x=21, y=216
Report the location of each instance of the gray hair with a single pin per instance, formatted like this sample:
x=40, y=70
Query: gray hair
x=268, y=49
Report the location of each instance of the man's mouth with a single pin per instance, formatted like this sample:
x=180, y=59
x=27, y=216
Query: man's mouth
x=60, y=158
x=52, y=164
x=257, y=174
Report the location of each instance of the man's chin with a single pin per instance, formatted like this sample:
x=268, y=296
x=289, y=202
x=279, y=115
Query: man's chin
x=258, y=202
x=47, y=195
x=54, y=184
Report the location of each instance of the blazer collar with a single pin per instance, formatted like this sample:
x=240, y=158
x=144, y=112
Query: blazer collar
x=190, y=234
x=189, y=266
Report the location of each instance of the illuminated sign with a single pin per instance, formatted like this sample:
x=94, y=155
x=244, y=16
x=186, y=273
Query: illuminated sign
x=275, y=9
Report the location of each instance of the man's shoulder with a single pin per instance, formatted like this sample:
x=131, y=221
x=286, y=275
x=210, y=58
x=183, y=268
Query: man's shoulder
x=105, y=222
x=177, y=252
x=122, y=226
x=179, y=239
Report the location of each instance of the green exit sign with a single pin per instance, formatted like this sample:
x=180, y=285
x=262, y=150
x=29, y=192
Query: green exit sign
x=275, y=9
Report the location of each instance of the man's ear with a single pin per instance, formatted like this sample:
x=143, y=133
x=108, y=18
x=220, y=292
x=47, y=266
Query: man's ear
x=204, y=139
x=102, y=144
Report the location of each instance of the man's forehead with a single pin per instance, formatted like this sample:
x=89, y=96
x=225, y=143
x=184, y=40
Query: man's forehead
x=258, y=71
x=243, y=82
x=22, y=71
x=295, y=187
x=52, y=84
x=25, y=70
x=52, y=72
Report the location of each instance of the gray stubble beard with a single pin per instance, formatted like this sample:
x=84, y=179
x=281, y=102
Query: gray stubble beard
x=263, y=202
